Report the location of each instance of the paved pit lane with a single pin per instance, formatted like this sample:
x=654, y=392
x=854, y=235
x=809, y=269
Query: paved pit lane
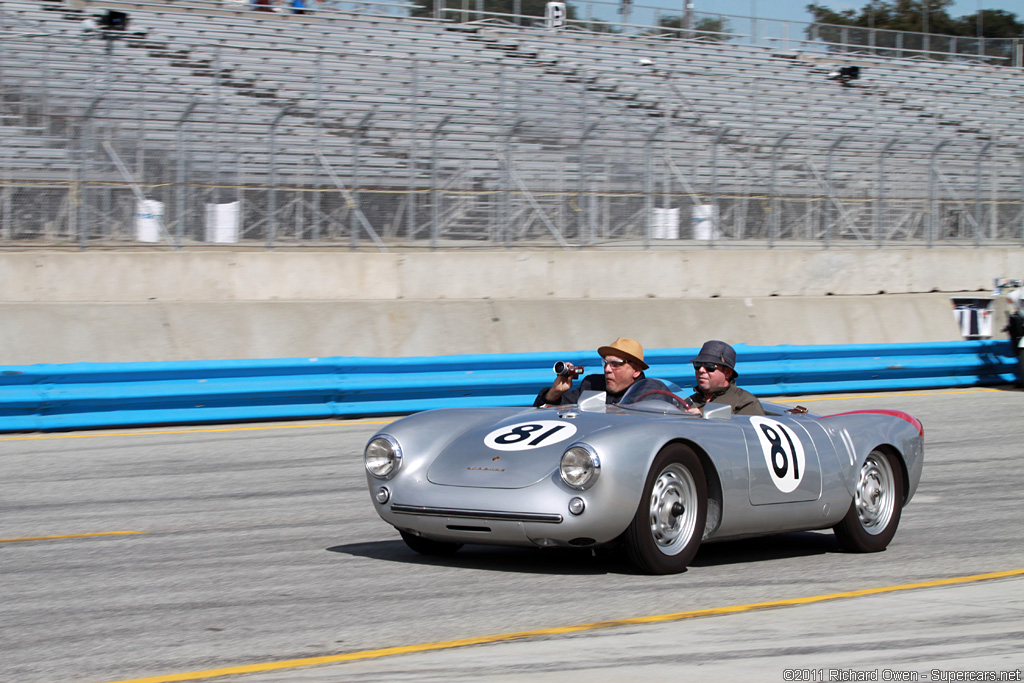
x=259, y=544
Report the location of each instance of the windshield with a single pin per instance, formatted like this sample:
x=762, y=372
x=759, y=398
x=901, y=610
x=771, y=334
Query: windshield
x=656, y=395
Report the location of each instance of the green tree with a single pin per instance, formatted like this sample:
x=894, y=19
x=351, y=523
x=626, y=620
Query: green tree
x=995, y=23
x=711, y=28
x=895, y=15
x=914, y=17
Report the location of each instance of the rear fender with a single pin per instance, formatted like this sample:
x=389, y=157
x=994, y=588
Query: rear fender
x=856, y=434
x=889, y=449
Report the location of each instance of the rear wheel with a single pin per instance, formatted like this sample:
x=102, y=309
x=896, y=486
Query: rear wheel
x=668, y=526
x=874, y=514
x=426, y=546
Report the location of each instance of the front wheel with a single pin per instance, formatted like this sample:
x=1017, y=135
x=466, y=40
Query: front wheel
x=874, y=514
x=668, y=526
x=426, y=546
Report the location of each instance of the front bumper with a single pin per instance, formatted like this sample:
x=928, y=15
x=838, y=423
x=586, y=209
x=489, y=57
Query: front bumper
x=483, y=515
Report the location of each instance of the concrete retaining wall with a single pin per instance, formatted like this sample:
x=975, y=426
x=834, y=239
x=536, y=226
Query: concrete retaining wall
x=98, y=276
x=152, y=306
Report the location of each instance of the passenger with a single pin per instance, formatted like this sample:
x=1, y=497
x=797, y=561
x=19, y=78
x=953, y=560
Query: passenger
x=715, y=371
x=623, y=365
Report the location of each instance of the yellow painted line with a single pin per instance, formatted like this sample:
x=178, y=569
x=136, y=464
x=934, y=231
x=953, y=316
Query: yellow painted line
x=93, y=435
x=561, y=630
x=50, y=538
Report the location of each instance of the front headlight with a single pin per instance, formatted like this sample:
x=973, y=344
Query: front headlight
x=382, y=456
x=580, y=466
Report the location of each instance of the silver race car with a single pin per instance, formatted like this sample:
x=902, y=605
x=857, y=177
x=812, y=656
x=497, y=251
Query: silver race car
x=643, y=474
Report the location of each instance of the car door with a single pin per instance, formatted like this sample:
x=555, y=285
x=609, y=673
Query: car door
x=783, y=461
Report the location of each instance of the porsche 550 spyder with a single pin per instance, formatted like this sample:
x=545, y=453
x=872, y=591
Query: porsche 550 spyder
x=644, y=475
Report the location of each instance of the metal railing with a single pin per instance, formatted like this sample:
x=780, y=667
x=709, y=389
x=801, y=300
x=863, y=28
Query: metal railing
x=95, y=395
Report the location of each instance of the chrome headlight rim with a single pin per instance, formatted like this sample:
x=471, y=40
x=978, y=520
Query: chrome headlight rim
x=592, y=466
x=392, y=459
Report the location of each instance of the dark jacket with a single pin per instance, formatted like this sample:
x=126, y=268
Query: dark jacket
x=742, y=401
x=589, y=383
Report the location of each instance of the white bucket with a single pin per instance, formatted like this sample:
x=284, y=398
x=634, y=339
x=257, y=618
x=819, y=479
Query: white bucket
x=149, y=216
x=665, y=224
x=222, y=223
x=705, y=222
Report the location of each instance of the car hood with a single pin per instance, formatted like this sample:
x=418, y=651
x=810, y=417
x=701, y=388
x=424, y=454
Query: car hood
x=516, y=451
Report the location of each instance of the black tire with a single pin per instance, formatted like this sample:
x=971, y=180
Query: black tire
x=426, y=546
x=874, y=514
x=662, y=538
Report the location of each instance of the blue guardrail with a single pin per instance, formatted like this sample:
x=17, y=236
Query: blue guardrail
x=92, y=395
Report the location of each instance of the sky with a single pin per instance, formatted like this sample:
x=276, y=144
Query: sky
x=794, y=10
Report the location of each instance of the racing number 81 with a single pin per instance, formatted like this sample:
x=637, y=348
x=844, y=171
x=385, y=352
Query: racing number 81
x=523, y=432
x=779, y=455
x=529, y=435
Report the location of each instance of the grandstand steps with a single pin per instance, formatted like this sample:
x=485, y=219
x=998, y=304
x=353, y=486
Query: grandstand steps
x=410, y=74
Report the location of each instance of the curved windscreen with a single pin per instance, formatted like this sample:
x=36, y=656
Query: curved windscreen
x=656, y=395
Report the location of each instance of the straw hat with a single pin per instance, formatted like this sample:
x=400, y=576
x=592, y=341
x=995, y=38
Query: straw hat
x=627, y=349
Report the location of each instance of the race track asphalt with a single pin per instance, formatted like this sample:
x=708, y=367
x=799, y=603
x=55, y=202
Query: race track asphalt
x=256, y=546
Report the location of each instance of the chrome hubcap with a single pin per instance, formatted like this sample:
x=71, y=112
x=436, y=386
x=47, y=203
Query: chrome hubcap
x=876, y=494
x=673, y=509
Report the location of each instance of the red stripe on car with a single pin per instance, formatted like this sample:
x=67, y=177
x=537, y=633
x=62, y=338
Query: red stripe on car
x=895, y=413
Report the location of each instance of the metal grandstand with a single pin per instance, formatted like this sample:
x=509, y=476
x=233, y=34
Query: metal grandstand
x=359, y=126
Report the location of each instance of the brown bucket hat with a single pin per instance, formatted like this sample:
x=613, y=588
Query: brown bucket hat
x=627, y=349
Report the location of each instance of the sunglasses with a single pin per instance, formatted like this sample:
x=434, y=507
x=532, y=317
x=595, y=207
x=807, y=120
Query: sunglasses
x=615, y=363
x=710, y=367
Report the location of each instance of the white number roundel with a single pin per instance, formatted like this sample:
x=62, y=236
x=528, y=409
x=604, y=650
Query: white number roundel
x=782, y=451
x=529, y=435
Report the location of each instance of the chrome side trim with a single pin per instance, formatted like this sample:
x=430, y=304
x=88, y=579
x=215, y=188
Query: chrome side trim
x=547, y=518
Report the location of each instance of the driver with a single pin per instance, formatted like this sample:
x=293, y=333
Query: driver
x=623, y=365
x=715, y=371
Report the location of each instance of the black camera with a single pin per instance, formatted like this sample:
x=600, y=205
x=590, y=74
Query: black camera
x=567, y=370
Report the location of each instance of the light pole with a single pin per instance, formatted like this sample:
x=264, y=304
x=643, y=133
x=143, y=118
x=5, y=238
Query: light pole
x=272, y=199
x=181, y=222
x=981, y=32
x=871, y=23
x=926, y=10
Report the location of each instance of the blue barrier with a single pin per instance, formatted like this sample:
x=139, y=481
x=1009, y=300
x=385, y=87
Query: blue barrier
x=89, y=395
